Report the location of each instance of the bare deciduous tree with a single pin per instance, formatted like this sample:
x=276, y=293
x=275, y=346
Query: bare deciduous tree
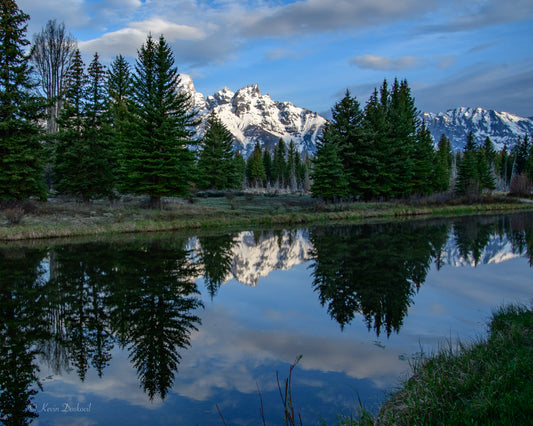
x=52, y=52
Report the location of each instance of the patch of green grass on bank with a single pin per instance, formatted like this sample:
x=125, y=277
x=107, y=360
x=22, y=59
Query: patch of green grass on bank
x=64, y=218
x=486, y=382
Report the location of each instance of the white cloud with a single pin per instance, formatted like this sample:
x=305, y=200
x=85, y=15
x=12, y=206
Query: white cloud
x=128, y=40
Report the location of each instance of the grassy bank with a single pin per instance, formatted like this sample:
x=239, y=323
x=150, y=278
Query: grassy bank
x=64, y=218
x=486, y=382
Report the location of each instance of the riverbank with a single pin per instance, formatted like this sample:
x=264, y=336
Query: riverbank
x=66, y=218
x=486, y=382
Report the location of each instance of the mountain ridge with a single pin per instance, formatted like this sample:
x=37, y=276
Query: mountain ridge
x=252, y=116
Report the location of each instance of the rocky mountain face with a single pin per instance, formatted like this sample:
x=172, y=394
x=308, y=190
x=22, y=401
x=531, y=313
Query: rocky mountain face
x=254, y=117
x=501, y=127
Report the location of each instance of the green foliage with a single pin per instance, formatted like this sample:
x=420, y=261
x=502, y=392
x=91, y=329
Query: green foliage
x=279, y=165
x=425, y=166
x=84, y=152
x=156, y=161
x=255, y=170
x=21, y=152
x=474, y=173
x=216, y=165
x=488, y=382
x=382, y=152
x=329, y=177
x=443, y=167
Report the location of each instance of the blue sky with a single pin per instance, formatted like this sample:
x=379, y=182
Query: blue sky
x=453, y=53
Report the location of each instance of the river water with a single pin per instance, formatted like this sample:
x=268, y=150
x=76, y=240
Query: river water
x=203, y=329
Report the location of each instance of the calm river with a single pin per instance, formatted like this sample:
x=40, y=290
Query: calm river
x=177, y=329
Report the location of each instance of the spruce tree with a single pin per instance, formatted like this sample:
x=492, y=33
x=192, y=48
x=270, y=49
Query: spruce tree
x=443, y=165
x=424, y=163
x=293, y=165
x=21, y=168
x=267, y=165
x=255, y=171
x=468, y=179
x=403, y=124
x=356, y=150
x=119, y=89
x=70, y=148
x=216, y=168
x=157, y=161
x=377, y=180
x=279, y=164
x=99, y=163
x=329, y=178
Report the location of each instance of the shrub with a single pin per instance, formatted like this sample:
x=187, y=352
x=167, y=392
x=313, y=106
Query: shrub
x=14, y=215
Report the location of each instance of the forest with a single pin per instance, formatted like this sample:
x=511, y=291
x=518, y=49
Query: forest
x=91, y=132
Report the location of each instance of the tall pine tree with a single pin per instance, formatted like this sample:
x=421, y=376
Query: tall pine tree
x=21, y=168
x=216, y=165
x=329, y=178
x=156, y=161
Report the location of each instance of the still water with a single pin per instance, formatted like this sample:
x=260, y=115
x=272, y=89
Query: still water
x=179, y=329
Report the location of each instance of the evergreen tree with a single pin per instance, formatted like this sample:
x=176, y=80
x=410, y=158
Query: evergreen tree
x=157, y=161
x=279, y=164
x=240, y=169
x=119, y=88
x=375, y=127
x=99, y=162
x=443, y=166
x=328, y=175
x=255, y=171
x=216, y=168
x=468, y=179
x=403, y=124
x=21, y=168
x=356, y=151
x=70, y=148
x=293, y=164
x=267, y=164
x=424, y=163
x=521, y=151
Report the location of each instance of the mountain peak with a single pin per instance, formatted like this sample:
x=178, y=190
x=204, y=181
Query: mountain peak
x=253, y=117
x=503, y=128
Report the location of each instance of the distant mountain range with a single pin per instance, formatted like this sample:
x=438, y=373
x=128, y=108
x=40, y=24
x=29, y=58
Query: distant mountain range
x=501, y=127
x=254, y=117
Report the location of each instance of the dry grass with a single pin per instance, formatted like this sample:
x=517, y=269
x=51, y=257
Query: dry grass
x=64, y=218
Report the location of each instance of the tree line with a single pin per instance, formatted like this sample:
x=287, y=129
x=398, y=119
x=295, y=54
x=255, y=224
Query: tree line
x=385, y=151
x=130, y=130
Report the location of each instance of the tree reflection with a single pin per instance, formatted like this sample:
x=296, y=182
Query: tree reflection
x=216, y=256
x=373, y=270
x=22, y=327
x=141, y=294
x=155, y=303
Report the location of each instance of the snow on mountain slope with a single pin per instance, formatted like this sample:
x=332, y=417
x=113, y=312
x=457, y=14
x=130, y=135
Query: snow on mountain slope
x=253, y=117
x=501, y=127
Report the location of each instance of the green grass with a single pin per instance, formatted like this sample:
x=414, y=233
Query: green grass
x=486, y=382
x=68, y=218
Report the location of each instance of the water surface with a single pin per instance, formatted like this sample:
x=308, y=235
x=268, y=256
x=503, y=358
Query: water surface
x=174, y=329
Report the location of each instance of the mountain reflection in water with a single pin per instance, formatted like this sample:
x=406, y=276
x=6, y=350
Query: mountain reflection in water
x=71, y=306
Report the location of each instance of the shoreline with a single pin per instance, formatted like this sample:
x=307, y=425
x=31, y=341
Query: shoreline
x=60, y=219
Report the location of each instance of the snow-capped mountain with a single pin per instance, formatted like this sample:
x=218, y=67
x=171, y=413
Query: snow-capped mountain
x=251, y=116
x=501, y=127
x=255, y=256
